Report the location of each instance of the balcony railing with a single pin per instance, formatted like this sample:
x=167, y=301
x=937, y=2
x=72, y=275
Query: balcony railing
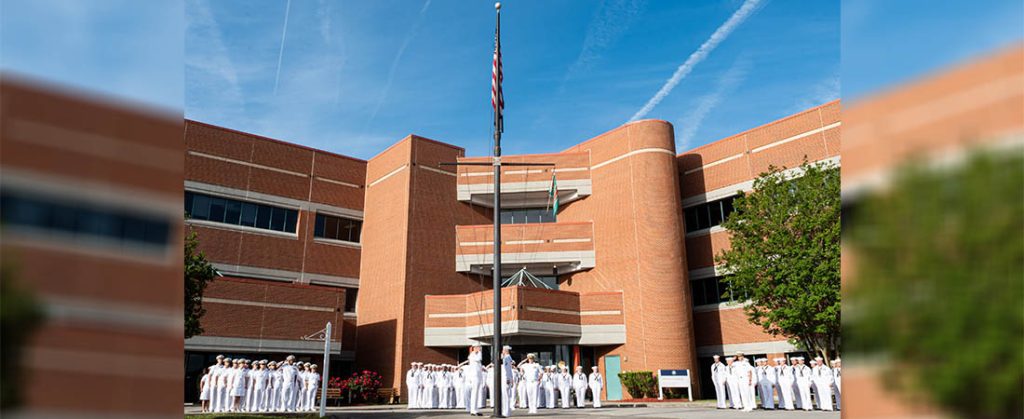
x=545, y=249
x=529, y=315
x=523, y=186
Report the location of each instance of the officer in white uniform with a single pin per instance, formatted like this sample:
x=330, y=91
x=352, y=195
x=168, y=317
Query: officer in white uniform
x=474, y=374
x=289, y=377
x=745, y=382
x=312, y=385
x=579, y=384
x=532, y=374
x=803, y=384
x=785, y=383
x=718, y=380
x=596, y=384
x=220, y=380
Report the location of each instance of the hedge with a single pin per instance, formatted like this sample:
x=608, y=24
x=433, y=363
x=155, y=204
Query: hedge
x=639, y=384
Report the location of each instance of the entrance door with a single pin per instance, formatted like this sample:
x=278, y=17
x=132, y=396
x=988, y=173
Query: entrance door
x=611, y=373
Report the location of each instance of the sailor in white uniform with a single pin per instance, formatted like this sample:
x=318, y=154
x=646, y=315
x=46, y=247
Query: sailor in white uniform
x=718, y=378
x=837, y=386
x=803, y=384
x=412, y=384
x=823, y=381
x=204, y=389
x=507, y=383
x=786, y=381
x=596, y=384
x=564, y=386
x=312, y=385
x=765, y=385
x=579, y=384
x=532, y=374
x=220, y=394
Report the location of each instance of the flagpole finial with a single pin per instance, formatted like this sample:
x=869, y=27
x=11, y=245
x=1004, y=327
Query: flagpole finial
x=497, y=5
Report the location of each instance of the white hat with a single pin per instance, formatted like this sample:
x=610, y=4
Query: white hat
x=220, y=356
x=780, y=359
x=715, y=356
x=595, y=367
x=731, y=358
x=506, y=347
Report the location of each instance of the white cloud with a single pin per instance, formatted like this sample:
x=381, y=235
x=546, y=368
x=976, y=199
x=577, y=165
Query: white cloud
x=720, y=34
x=691, y=122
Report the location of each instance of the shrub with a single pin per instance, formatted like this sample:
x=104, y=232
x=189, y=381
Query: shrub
x=361, y=386
x=639, y=384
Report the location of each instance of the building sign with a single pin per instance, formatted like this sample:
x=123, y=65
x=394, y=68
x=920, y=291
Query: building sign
x=674, y=379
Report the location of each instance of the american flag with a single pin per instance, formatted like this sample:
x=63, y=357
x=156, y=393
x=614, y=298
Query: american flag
x=497, y=98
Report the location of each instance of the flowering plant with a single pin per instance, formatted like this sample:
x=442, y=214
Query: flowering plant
x=361, y=386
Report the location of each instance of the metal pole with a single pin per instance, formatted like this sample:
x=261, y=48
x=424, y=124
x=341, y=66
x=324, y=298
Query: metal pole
x=496, y=274
x=327, y=366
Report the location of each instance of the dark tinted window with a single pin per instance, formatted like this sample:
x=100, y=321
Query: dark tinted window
x=232, y=211
x=82, y=219
x=351, y=294
x=527, y=216
x=708, y=214
x=337, y=228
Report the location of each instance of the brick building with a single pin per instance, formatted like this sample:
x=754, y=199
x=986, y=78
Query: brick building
x=627, y=260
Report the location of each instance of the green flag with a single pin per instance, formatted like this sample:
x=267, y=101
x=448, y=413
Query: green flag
x=553, y=195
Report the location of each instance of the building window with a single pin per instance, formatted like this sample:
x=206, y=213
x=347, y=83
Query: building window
x=82, y=219
x=708, y=214
x=231, y=211
x=337, y=228
x=351, y=294
x=527, y=216
x=713, y=290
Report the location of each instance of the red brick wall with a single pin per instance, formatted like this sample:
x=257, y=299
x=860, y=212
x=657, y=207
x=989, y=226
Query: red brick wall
x=262, y=322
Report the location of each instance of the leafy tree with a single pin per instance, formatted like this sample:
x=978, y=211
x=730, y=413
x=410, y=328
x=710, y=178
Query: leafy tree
x=938, y=284
x=20, y=315
x=198, y=272
x=785, y=255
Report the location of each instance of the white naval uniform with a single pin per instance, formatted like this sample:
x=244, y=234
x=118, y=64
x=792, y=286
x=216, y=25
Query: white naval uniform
x=837, y=386
x=276, y=391
x=238, y=386
x=219, y=389
x=531, y=371
x=718, y=379
x=312, y=385
x=288, y=387
x=803, y=385
x=732, y=383
x=412, y=383
x=474, y=374
x=506, y=385
x=823, y=380
x=596, y=384
x=765, y=387
x=786, y=382
x=444, y=386
x=579, y=383
x=521, y=390
x=204, y=387
x=564, y=387
x=548, y=382
x=260, y=384
x=460, y=383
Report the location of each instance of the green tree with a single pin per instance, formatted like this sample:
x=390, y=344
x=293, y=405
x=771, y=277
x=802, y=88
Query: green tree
x=785, y=255
x=20, y=315
x=198, y=273
x=937, y=284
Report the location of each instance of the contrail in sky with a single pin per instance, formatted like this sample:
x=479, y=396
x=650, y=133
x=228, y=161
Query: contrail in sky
x=699, y=55
x=280, y=52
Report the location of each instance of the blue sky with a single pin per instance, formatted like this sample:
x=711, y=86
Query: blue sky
x=355, y=77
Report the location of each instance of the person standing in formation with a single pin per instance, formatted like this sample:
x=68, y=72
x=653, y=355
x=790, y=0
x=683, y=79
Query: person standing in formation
x=564, y=385
x=765, y=387
x=532, y=374
x=718, y=379
x=412, y=383
x=823, y=381
x=747, y=382
x=837, y=386
x=204, y=389
x=732, y=383
x=521, y=390
x=548, y=383
x=507, y=365
x=459, y=382
x=596, y=384
x=312, y=385
x=803, y=385
x=785, y=383
x=579, y=384
x=219, y=377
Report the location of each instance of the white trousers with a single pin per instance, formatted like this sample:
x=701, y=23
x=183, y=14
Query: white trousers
x=581, y=396
x=310, y=398
x=720, y=394
x=413, y=395
x=215, y=396
x=747, y=393
x=506, y=400
x=734, y=393
x=767, y=394
x=521, y=389
x=839, y=395
x=596, y=392
x=824, y=394
x=565, y=396
x=473, y=400
x=804, y=398
x=531, y=395
x=288, y=398
x=549, y=396
x=786, y=395
x=460, y=397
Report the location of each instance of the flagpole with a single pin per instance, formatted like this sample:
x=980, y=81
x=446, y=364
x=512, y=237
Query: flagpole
x=496, y=386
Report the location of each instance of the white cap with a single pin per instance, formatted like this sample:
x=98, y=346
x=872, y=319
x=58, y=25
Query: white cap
x=715, y=356
x=506, y=347
x=780, y=359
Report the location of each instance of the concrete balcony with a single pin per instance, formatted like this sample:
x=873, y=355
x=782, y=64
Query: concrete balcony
x=544, y=249
x=529, y=316
x=526, y=187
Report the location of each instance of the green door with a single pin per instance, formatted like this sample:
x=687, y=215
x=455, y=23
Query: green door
x=611, y=374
